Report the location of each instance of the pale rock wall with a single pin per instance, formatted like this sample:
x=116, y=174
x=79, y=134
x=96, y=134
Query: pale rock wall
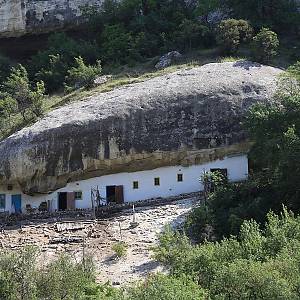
x=19, y=17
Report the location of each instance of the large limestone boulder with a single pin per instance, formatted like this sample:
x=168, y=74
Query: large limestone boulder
x=187, y=117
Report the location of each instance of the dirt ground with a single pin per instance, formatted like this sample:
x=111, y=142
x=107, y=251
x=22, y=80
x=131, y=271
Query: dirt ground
x=97, y=237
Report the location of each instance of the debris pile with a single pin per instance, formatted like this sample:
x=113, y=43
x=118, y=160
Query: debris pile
x=96, y=238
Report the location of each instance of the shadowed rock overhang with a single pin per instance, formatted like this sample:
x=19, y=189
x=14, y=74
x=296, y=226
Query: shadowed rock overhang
x=188, y=117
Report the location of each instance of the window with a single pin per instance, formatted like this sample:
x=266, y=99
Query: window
x=78, y=195
x=179, y=177
x=135, y=185
x=156, y=181
x=2, y=201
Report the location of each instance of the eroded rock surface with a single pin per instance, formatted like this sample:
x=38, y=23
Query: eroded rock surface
x=19, y=17
x=187, y=117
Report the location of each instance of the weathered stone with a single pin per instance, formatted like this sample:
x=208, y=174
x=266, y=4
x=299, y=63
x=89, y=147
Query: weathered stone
x=188, y=117
x=19, y=17
x=168, y=59
x=99, y=80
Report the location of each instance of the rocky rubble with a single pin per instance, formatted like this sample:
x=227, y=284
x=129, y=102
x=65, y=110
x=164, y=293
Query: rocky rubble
x=96, y=237
x=168, y=59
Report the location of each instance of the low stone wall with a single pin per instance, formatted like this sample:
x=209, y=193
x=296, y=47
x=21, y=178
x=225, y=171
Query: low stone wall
x=86, y=214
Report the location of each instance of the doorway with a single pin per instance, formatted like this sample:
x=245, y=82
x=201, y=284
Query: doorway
x=115, y=194
x=17, y=203
x=62, y=201
x=111, y=193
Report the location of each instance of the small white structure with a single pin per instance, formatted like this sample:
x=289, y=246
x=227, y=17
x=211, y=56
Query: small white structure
x=125, y=187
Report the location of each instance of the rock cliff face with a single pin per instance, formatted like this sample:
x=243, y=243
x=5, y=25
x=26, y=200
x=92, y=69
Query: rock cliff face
x=18, y=17
x=187, y=117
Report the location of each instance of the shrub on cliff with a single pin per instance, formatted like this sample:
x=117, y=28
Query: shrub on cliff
x=52, y=65
x=265, y=45
x=82, y=75
x=29, y=99
x=231, y=33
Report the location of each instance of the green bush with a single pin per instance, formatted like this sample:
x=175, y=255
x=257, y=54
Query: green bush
x=117, y=45
x=65, y=279
x=231, y=33
x=257, y=264
x=120, y=249
x=159, y=287
x=21, y=278
x=18, y=274
x=8, y=106
x=199, y=224
x=265, y=45
x=51, y=65
x=82, y=75
x=28, y=99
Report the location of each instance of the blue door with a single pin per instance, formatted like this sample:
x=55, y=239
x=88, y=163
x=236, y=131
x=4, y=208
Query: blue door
x=17, y=203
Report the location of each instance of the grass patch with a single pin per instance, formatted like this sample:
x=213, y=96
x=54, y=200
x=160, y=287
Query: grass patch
x=229, y=59
x=120, y=249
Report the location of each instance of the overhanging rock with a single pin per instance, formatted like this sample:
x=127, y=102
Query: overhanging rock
x=187, y=117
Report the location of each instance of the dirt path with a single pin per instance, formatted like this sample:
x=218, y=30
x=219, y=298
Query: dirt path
x=97, y=237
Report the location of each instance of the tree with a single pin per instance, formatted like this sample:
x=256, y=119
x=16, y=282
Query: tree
x=261, y=262
x=8, y=106
x=159, y=287
x=18, y=274
x=231, y=33
x=83, y=75
x=265, y=45
x=190, y=33
x=278, y=15
x=18, y=87
x=65, y=279
x=118, y=45
x=51, y=65
x=37, y=99
x=52, y=72
x=289, y=83
x=5, y=67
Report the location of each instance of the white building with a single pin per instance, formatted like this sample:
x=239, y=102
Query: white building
x=125, y=187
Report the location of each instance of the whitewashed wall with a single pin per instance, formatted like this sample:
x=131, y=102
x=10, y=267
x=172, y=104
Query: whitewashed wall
x=237, y=167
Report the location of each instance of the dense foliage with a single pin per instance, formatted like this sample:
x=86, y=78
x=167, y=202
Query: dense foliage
x=22, y=277
x=257, y=264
